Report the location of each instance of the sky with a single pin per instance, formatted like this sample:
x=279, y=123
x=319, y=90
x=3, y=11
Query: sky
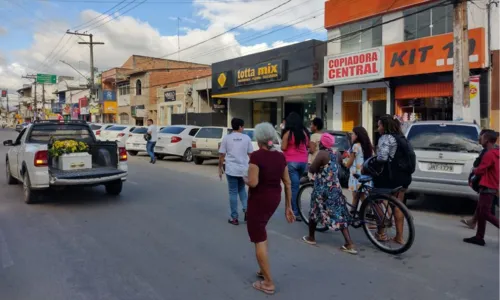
x=33, y=39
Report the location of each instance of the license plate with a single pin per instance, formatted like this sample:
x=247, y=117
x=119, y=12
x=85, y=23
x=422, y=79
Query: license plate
x=206, y=153
x=440, y=167
x=137, y=145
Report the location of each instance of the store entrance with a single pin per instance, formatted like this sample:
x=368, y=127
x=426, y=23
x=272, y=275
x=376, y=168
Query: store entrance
x=426, y=109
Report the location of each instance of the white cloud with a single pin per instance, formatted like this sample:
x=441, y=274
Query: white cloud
x=126, y=35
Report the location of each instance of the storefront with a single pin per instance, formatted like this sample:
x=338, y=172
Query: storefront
x=420, y=73
x=109, y=111
x=360, y=95
x=268, y=86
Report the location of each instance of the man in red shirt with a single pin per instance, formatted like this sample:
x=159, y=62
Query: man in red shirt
x=488, y=170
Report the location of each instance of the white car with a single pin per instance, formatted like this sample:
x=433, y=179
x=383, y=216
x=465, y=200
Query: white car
x=28, y=160
x=250, y=131
x=176, y=140
x=118, y=133
x=97, y=128
x=136, y=142
x=206, y=143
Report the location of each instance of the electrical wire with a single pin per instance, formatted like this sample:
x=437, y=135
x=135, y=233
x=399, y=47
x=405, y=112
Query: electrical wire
x=120, y=14
x=338, y=38
x=99, y=16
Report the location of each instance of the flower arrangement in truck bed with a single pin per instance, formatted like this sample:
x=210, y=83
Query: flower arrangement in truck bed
x=66, y=147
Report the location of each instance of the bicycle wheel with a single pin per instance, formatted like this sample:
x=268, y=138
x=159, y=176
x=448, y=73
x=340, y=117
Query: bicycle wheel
x=304, y=204
x=377, y=215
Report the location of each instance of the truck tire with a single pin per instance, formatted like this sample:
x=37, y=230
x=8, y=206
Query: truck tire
x=198, y=160
x=114, y=188
x=30, y=196
x=10, y=180
x=133, y=153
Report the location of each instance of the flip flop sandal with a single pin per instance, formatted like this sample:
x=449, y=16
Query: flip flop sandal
x=397, y=242
x=260, y=275
x=381, y=237
x=349, y=250
x=466, y=223
x=305, y=240
x=258, y=286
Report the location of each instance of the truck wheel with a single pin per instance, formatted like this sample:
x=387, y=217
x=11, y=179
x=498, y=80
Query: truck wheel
x=10, y=180
x=198, y=160
x=114, y=188
x=188, y=155
x=133, y=153
x=30, y=196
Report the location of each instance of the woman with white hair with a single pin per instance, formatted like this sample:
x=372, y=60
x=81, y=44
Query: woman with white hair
x=267, y=169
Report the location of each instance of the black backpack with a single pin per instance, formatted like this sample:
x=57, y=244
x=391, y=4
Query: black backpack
x=405, y=158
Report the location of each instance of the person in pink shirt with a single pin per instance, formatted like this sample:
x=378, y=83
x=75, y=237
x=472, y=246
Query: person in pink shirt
x=294, y=146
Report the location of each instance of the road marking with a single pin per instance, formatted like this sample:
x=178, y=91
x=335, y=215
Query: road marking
x=132, y=182
x=4, y=252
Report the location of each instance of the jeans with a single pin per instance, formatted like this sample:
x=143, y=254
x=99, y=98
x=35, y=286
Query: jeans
x=484, y=214
x=150, y=147
x=295, y=171
x=236, y=187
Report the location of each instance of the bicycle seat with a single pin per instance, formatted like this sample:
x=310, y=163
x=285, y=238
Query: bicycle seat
x=363, y=178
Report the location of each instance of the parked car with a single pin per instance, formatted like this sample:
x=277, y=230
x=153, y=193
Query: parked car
x=206, y=143
x=445, y=152
x=118, y=133
x=176, y=140
x=97, y=127
x=136, y=142
x=28, y=161
x=250, y=133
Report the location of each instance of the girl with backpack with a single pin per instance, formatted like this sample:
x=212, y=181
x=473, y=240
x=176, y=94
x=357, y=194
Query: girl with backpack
x=360, y=151
x=396, y=156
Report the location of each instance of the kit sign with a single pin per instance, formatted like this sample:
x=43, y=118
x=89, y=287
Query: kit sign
x=362, y=66
x=262, y=73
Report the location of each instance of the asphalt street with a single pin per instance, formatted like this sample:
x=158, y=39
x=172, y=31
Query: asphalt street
x=167, y=237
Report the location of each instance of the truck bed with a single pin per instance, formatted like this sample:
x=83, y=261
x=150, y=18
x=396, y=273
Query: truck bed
x=86, y=173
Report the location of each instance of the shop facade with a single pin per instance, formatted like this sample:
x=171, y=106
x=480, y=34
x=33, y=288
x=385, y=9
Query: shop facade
x=268, y=86
x=359, y=93
x=420, y=72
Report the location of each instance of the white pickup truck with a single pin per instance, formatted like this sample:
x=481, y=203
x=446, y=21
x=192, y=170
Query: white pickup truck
x=27, y=160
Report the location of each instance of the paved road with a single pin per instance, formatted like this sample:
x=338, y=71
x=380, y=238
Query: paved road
x=166, y=237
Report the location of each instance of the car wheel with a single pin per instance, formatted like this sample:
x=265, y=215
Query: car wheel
x=188, y=155
x=133, y=153
x=160, y=156
x=198, y=160
x=114, y=188
x=10, y=179
x=30, y=196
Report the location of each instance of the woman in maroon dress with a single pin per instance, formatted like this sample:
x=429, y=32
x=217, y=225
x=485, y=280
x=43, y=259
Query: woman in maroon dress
x=267, y=170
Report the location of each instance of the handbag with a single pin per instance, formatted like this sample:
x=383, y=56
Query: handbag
x=147, y=137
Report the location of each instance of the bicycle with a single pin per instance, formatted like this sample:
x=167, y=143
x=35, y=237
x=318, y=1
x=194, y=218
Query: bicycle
x=371, y=215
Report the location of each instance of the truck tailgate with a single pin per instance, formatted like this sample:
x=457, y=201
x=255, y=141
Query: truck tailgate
x=85, y=177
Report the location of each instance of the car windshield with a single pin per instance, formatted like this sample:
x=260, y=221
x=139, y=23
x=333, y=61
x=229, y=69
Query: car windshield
x=116, y=128
x=43, y=133
x=95, y=127
x=210, y=133
x=141, y=130
x=172, y=130
x=452, y=138
x=341, y=141
x=250, y=133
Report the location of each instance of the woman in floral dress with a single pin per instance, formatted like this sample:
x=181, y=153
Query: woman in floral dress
x=328, y=204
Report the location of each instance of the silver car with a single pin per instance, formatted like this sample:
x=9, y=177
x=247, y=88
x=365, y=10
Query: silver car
x=445, y=152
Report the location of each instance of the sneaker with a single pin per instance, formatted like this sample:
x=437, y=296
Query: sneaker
x=233, y=221
x=476, y=241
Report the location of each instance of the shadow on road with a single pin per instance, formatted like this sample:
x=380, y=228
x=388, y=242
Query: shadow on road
x=443, y=205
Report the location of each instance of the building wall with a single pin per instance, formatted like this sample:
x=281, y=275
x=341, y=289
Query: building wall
x=495, y=92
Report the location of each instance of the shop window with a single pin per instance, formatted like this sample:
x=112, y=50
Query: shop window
x=359, y=36
x=124, y=89
x=138, y=87
x=430, y=22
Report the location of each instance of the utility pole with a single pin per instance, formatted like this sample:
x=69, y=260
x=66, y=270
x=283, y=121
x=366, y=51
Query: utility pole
x=91, y=44
x=43, y=98
x=461, y=94
x=35, y=113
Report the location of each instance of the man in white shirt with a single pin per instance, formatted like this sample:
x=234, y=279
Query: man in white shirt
x=150, y=146
x=234, y=150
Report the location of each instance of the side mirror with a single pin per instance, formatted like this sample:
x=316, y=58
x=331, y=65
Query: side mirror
x=8, y=143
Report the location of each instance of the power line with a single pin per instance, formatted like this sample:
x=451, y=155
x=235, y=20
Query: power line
x=99, y=16
x=444, y=2
x=119, y=15
x=154, y=2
